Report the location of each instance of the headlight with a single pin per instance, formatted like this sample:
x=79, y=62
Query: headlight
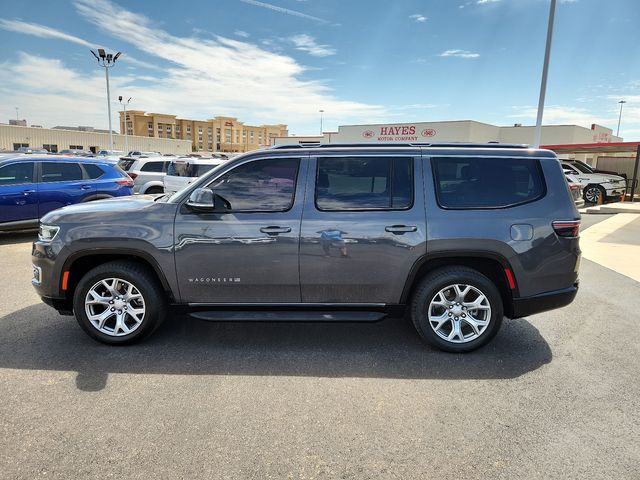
x=47, y=232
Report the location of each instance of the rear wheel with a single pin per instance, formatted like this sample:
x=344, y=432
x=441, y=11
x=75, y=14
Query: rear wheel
x=457, y=309
x=153, y=190
x=119, y=303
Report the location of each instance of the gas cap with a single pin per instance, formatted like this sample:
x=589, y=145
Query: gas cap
x=521, y=231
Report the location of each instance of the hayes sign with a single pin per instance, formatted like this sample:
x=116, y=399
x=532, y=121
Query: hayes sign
x=398, y=133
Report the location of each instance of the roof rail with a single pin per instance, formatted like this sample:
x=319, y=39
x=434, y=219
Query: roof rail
x=399, y=144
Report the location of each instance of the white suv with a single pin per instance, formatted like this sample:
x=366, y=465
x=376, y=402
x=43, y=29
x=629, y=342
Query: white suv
x=147, y=173
x=595, y=184
x=184, y=170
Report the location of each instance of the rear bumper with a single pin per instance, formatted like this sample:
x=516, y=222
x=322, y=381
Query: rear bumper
x=525, y=306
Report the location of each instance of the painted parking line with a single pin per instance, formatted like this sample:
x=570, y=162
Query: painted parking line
x=614, y=243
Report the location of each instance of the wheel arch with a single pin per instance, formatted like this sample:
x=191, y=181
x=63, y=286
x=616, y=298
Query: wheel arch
x=491, y=265
x=80, y=263
x=96, y=196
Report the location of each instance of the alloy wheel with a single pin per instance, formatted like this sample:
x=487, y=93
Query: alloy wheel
x=459, y=313
x=592, y=194
x=115, y=307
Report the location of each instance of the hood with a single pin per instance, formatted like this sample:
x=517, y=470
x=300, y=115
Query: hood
x=605, y=177
x=102, y=208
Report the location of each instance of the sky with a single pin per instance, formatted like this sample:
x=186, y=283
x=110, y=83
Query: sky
x=281, y=61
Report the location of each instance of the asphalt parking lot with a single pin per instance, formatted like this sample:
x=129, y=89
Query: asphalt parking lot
x=556, y=395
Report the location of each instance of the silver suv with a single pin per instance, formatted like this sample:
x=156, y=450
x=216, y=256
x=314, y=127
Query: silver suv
x=456, y=237
x=147, y=173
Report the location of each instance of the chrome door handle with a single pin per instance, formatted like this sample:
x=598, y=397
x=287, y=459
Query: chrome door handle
x=400, y=229
x=28, y=192
x=273, y=230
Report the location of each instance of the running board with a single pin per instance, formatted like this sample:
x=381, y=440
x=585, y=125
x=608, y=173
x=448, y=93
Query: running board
x=287, y=316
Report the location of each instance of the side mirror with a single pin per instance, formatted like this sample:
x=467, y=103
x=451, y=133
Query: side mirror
x=201, y=200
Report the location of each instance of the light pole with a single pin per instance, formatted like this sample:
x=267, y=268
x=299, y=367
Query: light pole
x=545, y=71
x=321, y=118
x=621, y=102
x=107, y=60
x=126, y=128
x=17, y=113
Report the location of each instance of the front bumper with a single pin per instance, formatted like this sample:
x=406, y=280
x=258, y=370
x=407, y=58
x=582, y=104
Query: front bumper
x=616, y=191
x=62, y=305
x=525, y=306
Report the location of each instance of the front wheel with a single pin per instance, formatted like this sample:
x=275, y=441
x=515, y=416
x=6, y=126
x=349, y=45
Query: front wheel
x=119, y=303
x=592, y=192
x=457, y=309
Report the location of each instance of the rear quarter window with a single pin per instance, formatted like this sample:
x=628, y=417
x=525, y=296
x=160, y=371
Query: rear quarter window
x=479, y=182
x=93, y=171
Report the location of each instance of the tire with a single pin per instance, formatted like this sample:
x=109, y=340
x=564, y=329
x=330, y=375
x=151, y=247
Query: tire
x=446, y=309
x=153, y=190
x=126, y=304
x=591, y=192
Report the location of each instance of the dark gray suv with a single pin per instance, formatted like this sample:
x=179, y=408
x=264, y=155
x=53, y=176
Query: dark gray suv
x=455, y=236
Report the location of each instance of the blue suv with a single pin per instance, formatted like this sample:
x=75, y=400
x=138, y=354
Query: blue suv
x=31, y=187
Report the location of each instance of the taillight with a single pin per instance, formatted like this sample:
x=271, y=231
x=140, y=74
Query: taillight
x=566, y=228
x=574, y=186
x=126, y=182
x=132, y=175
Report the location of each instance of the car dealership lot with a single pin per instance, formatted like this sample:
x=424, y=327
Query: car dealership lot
x=554, y=395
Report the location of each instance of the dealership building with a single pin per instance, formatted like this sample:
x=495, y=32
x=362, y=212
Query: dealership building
x=56, y=139
x=456, y=131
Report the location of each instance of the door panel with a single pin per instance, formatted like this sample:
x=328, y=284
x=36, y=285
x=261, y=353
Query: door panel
x=61, y=184
x=244, y=255
x=360, y=256
x=18, y=193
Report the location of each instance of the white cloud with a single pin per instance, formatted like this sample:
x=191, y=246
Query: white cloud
x=286, y=11
x=417, y=17
x=41, y=31
x=562, y=115
x=459, y=53
x=482, y=2
x=204, y=77
x=306, y=43
x=241, y=33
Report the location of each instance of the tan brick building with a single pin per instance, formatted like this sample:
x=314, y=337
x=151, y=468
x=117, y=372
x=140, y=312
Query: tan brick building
x=218, y=134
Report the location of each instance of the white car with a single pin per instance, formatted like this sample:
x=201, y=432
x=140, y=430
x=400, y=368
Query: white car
x=575, y=189
x=595, y=184
x=137, y=153
x=184, y=170
x=147, y=173
x=109, y=155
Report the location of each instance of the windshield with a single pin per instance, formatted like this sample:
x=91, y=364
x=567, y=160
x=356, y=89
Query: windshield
x=581, y=167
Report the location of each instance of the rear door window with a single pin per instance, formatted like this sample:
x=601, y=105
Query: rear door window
x=364, y=183
x=477, y=182
x=152, y=167
x=61, y=172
